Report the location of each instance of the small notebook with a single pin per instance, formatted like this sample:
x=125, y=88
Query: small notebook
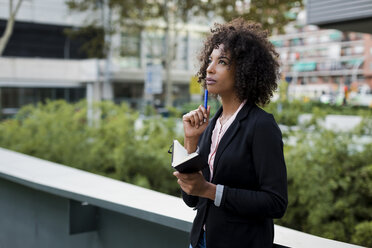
x=184, y=162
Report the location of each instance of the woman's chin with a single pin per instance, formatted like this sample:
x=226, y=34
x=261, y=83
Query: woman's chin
x=211, y=89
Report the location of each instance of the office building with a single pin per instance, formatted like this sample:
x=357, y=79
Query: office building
x=323, y=61
x=40, y=62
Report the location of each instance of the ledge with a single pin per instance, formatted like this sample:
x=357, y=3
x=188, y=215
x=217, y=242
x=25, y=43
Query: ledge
x=124, y=198
x=96, y=190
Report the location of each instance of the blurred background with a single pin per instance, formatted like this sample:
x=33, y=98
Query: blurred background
x=101, y=85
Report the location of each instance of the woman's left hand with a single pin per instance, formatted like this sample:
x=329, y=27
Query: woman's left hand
x=195, y=184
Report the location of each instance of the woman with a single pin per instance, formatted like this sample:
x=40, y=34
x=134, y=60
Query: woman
x=244, y=185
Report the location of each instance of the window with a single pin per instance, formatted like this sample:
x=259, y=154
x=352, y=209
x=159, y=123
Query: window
x=313, y=80
x=9, y=97
x=130, y=45
x=130, y=49
x=15, y=98
x=181, y=52
x=155, y=46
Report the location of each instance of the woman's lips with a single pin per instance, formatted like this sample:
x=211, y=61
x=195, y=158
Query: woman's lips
x=210, y=81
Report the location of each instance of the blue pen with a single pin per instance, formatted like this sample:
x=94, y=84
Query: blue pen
x=205, y=102
x=205, y=98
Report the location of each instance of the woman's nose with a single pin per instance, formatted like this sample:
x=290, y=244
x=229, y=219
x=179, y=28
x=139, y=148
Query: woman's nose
x=210, y=68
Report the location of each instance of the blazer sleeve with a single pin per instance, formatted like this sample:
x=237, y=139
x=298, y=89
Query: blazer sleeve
x=190, y=200
x=270, y=200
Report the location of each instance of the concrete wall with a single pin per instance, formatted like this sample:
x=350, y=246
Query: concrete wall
x=43, y=11
x=35, y=219
x=26, y=72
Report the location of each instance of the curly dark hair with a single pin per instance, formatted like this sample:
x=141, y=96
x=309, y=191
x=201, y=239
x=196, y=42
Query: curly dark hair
x=254, y=56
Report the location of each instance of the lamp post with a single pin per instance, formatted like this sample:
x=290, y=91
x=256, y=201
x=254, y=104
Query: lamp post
x=169, y=8
x=107, y=93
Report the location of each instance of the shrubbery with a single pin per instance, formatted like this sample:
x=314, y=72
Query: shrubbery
x=329, y=173
x=287, y=112
x=59, y=132
x=330, y=185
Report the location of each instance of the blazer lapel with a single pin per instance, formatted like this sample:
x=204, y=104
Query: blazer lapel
x=230, y=134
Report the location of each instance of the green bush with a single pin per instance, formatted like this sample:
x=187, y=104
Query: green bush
x=363, y=232
x=287, y=112
x=59, y=132
x=213, y=102
x=329, y=185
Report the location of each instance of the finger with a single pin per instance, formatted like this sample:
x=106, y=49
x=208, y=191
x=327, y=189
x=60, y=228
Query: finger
x=189, y=177
x=196, y=118
x=182, y=176
x=204, y=111
x=200, y=115
x=186, y=117
x=184, y=186
x=208, y=112
x=192, y=120
x=192, y=178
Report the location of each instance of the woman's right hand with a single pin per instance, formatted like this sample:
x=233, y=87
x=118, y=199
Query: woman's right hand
x=195, y=122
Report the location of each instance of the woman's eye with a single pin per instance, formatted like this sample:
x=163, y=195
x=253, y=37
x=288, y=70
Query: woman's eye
x=209, y=61
x=222, y=62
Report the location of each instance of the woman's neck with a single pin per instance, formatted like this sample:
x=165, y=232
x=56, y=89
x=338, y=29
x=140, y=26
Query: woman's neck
x=230, y=105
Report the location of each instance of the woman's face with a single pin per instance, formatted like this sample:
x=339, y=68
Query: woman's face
x=220, y=73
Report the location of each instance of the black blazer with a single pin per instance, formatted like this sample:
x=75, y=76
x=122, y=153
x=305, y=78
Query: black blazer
x=250, y=164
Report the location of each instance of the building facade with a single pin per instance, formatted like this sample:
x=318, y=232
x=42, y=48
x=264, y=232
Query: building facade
x=317, y=62
x=41, y=62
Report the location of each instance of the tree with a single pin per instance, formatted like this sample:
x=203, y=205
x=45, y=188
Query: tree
x=135, y=16
x=9, y=25
x=274, y=15
x=132, y=14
